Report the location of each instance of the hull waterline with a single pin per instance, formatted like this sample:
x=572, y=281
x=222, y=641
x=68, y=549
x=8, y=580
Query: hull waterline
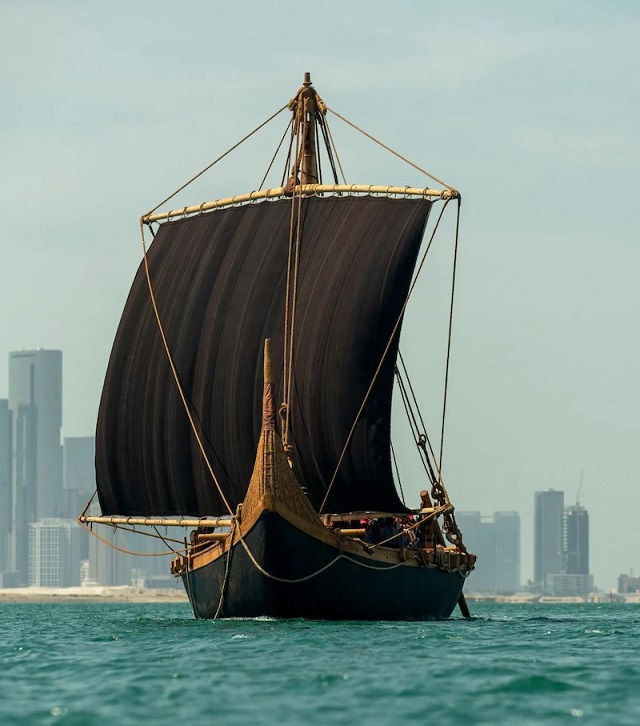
x=308, y=578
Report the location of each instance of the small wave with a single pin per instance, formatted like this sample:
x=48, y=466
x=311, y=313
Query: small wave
x=535, y=684
x=257, y=619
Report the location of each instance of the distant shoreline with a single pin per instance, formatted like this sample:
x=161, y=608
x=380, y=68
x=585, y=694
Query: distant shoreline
x=124, y=594
x=598, y=598
x=91, y=594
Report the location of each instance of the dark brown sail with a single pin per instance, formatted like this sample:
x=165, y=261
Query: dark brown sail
x=220, y=281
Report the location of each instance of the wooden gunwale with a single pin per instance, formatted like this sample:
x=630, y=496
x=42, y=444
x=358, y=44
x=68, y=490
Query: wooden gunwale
x=321, y=533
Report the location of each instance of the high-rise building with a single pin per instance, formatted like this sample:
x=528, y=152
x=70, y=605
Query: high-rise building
x=54, y=553
x=548, y=537
x=35, y=398
x=628, y=583
x=6, y=494
x=35, y=402
x=577, y=540
x=507, y=539
x=478, y=535
x=496, y=541
x=79, y=473
x=561, y=563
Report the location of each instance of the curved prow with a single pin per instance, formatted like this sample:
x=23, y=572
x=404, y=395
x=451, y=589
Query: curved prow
x=273, y=485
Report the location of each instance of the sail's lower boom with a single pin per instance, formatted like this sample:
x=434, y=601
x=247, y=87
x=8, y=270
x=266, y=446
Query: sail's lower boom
x=159, y=521
x=306, y=190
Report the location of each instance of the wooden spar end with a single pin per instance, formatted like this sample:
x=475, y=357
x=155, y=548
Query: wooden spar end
x=267, y=361
x=268, y=408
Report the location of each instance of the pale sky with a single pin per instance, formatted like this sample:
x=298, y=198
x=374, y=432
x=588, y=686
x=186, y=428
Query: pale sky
x=529, y=109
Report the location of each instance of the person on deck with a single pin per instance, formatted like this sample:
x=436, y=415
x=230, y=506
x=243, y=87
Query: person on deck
x=373, y=535
x=389, y=530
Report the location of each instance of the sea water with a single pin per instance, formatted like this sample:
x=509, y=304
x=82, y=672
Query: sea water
x=137, y=663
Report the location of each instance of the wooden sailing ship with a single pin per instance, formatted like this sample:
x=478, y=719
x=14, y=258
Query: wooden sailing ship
x=248, y=397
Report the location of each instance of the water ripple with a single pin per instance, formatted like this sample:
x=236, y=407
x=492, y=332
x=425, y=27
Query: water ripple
x=128, y=663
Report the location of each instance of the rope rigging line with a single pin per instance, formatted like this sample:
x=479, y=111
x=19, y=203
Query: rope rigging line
x=450, y=526
x=88, y=504
x=130, y=552
x=446, y=375
x=186, y=405
x=384, y=355
x=286, y=360
x=395, y=464
x=273, y=159
x=227, y=569
x=293, y=581
x=413, y=396
x=174, y=371
x=411, y=417
x=215, y=161
x=420, y=432
x=414, y=428
x=332, y=145
x=390, y=150
x=187, y=578
x=296, y=269
x=287, y=162
x=319, y=158
x=164, y=538
x=327, y=146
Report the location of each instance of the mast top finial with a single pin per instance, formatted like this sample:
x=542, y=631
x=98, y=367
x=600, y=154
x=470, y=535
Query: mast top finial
x=268, y=409
x=267, y=361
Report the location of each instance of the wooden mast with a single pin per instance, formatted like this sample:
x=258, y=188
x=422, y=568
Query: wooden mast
x=307, y=108
x=305, y=105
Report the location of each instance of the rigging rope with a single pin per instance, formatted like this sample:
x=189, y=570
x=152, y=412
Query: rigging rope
x=322, y=569
x=335, y=148
x=427, y=440
x=286, y=361
x=215, y=161
x=174, y=371
x=446, y=375
x=130, y=552
x=384, y=355
x=227, y=569
x=273, y=158
x=414, y=429
x=169, y=355
x=395, y=464
x=296, y=268
x=390, y=150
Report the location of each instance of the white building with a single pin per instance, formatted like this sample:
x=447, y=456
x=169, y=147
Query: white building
x=54, y=553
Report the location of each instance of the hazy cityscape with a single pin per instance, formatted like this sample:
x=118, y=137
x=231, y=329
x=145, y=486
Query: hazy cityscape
x=46, y=482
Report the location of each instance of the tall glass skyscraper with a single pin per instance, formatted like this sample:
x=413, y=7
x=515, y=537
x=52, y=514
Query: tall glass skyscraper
x=577, y=535
x=507, y=529
x=548, y=536
x=35, y=402
x=6, y=494
x=496, y=541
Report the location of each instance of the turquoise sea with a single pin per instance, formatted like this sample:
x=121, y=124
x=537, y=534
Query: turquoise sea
x=116, y=663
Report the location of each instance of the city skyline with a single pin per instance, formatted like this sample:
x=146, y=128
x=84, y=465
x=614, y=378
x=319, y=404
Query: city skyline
x=53, y=478
x=528, y=110
x=46, y=481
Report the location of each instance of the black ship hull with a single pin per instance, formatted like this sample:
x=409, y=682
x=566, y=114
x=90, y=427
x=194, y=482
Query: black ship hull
x=279, y=570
